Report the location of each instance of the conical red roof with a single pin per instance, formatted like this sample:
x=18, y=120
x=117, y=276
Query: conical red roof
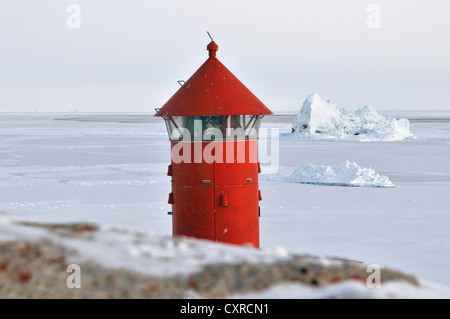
x=213, y=90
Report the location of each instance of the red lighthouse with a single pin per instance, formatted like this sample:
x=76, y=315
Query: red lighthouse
x=213, y=122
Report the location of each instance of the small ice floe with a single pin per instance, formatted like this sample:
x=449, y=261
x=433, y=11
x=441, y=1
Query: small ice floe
x=345, y=174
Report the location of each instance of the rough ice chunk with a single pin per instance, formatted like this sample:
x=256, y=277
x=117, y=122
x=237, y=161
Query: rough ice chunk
x=345, y=174
x=323, y=117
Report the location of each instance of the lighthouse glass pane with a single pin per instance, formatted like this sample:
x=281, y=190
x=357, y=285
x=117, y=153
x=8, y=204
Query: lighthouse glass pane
x=244, y=126
x=174, y=126
x=213, y=127
x=251, y=124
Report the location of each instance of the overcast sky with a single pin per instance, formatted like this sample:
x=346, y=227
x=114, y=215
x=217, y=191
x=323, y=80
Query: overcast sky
x=128, y=55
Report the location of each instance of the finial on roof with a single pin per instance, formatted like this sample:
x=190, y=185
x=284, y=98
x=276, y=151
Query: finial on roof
x=212, y=48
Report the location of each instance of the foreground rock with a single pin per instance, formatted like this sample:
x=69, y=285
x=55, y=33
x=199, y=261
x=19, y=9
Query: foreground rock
x=34, y=259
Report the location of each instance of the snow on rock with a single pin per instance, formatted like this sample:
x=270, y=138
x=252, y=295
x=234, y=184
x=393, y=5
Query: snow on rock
x=145, y=253
x=322, y=117
x=345, y=174
x=123, y=264
x=351, y=289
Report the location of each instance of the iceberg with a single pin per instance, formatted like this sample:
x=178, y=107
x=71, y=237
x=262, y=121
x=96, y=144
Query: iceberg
x=345, y=174
x=320, y=117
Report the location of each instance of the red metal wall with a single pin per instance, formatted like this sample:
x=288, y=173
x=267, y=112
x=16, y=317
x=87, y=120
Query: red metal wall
x=220, y=200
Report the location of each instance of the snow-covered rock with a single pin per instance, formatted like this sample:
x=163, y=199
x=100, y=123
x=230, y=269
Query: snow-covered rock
x=40, y=260
x=318, y=116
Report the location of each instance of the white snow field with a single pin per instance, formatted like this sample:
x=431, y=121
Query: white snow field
x=108, y=170
x=322, y=117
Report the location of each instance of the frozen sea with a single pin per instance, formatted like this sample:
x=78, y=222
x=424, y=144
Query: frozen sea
x=111, y=169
